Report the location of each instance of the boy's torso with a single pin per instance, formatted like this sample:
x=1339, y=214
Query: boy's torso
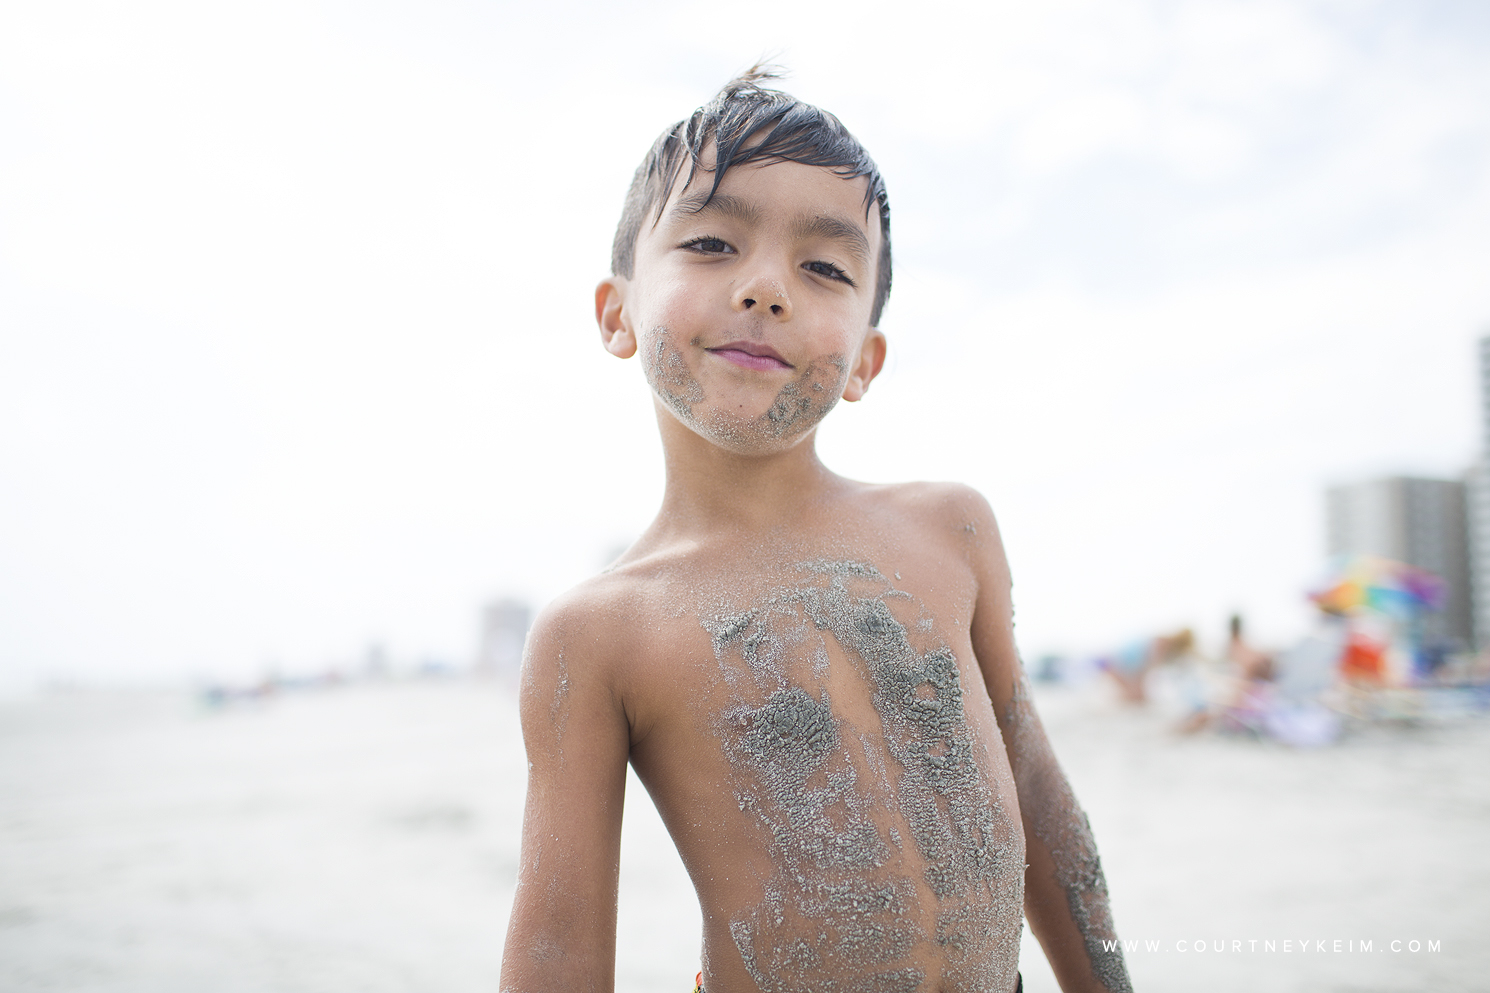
x=807, y=712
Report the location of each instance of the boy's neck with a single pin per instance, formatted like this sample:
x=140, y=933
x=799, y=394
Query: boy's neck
x=710, y=488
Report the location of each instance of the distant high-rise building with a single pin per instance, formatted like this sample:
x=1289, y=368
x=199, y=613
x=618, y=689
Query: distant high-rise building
x=504, y=630
x=1477, y=507
x=1477, y=496
x=1421, y=522
x=1484, y=395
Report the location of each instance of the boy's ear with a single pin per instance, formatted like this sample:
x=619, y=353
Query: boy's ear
x=871, y=361
x=610, y=313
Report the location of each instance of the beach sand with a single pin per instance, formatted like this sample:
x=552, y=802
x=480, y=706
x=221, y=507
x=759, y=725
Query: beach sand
x=365, y=837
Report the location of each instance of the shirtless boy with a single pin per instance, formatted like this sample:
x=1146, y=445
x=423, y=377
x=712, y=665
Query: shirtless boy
x=815, y=678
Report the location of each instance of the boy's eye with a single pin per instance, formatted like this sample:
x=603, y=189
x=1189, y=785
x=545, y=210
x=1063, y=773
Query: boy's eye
x=708, y=246
x=830, y=270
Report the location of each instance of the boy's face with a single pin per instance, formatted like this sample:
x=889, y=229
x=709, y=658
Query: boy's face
x=751, y=314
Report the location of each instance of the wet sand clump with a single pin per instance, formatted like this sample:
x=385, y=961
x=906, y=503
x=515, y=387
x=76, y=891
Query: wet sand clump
x=840, y=880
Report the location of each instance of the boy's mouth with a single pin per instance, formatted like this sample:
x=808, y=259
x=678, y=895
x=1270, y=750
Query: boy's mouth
x=751, y=355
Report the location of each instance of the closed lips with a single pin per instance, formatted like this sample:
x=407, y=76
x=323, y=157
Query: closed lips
x=751, y=355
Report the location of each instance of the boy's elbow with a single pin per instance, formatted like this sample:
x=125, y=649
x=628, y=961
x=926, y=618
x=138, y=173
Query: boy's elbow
x=557, y=948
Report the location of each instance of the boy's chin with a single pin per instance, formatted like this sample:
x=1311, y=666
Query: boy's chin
x=766, y=433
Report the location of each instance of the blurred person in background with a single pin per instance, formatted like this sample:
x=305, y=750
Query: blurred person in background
x=1251, y=663
x=1242, y=697
x=1130, y=665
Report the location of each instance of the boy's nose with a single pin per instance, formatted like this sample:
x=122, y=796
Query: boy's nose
x=764, y=292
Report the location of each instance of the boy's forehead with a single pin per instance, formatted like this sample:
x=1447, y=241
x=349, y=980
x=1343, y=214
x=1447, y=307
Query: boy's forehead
x=757, y=186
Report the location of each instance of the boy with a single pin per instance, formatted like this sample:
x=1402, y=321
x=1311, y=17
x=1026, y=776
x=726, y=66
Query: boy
x=815, y=678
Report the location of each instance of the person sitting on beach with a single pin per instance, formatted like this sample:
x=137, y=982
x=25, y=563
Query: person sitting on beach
x=1244, y=694
x=1130, y=665
x=814, y=678
x=1251, y=663
x=1252, y=695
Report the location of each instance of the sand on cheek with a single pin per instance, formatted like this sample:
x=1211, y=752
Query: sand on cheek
x=798, y=406
x=669, y=376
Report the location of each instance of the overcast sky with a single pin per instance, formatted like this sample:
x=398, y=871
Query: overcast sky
x=296, y=346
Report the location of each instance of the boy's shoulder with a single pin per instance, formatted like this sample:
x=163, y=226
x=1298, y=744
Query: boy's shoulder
x=593, y=618
x=936, y=503
x=935, y=512
x=600, y=627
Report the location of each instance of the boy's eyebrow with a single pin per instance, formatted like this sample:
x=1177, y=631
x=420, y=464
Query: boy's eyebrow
x=720, y=203
x=832, y=228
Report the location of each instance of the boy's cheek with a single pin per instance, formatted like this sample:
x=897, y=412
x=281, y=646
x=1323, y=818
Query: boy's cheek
x=667, y=372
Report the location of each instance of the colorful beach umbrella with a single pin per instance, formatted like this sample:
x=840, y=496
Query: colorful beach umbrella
x=1368, y=584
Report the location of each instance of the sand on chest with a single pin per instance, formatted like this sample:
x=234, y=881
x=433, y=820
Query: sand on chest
x=894, y=862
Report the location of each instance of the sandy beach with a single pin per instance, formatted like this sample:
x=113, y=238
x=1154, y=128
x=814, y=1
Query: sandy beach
x=365, y=837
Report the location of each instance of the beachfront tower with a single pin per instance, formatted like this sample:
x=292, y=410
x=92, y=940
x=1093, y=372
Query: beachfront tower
x=1421, y=522
x=504, y=629
x=1477, y=495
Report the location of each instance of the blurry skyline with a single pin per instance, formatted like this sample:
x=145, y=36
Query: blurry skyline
x=296, y=347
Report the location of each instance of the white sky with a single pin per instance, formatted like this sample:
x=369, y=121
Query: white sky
x=296, y=352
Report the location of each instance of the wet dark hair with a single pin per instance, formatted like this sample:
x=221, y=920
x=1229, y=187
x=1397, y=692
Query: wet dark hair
x=793, y=132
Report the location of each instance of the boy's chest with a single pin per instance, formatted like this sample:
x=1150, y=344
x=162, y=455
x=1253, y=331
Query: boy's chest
x=829, y=708
x=870, y=628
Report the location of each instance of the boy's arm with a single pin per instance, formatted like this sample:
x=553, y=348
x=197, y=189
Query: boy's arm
x=562, y=934
x=1065, y=894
